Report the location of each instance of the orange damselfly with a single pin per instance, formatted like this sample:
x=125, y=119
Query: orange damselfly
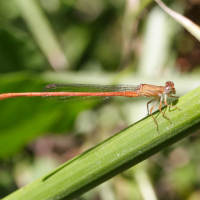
x=71, y=92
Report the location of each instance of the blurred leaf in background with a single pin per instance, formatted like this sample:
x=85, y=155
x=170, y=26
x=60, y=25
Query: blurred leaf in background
x=103, y=42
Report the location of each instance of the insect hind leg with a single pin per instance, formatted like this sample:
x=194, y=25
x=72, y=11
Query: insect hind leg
x=161, y=101
x=149, y=103
x=151, y=110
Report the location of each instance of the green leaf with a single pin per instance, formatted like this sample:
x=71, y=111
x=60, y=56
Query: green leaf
x=118, y=153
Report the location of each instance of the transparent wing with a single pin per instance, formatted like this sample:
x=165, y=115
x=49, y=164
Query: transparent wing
x=93, y=88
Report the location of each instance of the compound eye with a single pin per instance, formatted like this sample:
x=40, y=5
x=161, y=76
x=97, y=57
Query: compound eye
x=168, y=90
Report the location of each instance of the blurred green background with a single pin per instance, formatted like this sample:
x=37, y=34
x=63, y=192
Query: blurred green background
x=99, y=42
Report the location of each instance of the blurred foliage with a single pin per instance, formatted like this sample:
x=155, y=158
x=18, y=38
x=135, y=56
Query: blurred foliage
x=106, y=42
